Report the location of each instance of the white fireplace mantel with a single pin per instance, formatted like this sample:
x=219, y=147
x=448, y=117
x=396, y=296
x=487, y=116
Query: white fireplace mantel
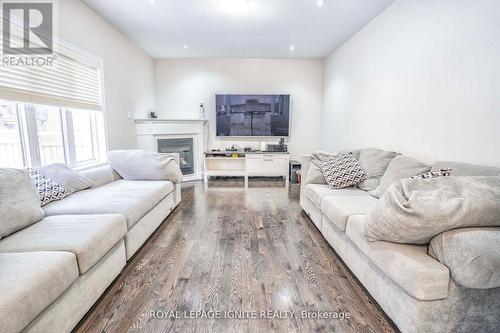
x=149, y=131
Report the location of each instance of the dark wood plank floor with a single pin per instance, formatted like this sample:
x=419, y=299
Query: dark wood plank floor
x=227, y=248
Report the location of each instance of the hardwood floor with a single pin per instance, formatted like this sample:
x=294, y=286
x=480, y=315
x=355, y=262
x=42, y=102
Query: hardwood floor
x=227, y=248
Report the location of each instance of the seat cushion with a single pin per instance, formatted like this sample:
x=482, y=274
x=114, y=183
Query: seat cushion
x=130, y=198
x=316, y=192
x=338, y=208
x=29, y=282
x=409, y=266
x=89, y=237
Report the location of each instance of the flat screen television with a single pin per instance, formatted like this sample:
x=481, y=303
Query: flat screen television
x=252, y=115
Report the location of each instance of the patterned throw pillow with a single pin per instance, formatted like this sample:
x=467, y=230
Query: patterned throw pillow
x=343, y=170
x=433, y=174
x=48, y=190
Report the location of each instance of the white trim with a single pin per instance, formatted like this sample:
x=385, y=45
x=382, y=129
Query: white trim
x=149, y=131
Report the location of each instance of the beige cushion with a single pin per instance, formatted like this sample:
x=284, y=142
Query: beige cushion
x=471, y=254
x=374, y=161
x=415, y=210
x=338, y=208
x=29, y=282
x=400, y=167
x=130, y=198
x=145, y=165
x=314, y=174
x=101, y=175
x=409, y=266
x=19, y=201
x=89, y=237
x=316, y=192
x=68, y=178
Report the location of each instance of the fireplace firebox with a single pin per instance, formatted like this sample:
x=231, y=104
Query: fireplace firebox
x=182, y=146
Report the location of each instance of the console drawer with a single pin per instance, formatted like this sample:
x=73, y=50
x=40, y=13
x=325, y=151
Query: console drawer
x=267, y=166
x=276, y=156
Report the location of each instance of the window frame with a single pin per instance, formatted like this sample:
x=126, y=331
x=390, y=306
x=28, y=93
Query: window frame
x=30, y=143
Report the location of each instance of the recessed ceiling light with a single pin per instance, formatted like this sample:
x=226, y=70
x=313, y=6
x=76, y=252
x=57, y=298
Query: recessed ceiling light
x=185, y=47
x=152, y=1
x=292, y=48
x=321, y=3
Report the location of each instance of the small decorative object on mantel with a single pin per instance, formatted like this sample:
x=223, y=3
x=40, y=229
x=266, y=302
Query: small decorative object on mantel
x=152, y=115
x=202, y=111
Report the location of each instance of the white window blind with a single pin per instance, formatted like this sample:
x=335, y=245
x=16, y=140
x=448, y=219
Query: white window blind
x=73, y=80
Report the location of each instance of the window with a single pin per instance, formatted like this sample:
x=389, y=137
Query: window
x=10, y=136
x=33, y=135
x=52, y=113
x=49, y=133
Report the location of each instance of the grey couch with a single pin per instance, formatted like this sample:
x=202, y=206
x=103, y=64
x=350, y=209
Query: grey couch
x=52, y=272
x=415, y=290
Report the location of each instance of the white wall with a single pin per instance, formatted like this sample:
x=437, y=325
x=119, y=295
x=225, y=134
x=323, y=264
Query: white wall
x=422, y=78
x=128, y=71
x=182, y=84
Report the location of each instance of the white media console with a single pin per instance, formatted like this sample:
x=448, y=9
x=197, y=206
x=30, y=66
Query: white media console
x=247, y=164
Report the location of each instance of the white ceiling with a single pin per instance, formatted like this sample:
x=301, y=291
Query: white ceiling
x=238, y=28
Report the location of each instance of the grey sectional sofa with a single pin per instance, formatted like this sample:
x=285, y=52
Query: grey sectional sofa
x=415, y=290
x=53, y=271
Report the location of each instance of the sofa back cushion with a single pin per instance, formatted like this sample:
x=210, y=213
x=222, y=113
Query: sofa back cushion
x=19, y=202
x=466, y=169
x=145, y=165
x=414, y=211
x=400, y=167
x=314, y=174
x=100, y=175
x=471, y=254
x=374, y=162
x=68, y=178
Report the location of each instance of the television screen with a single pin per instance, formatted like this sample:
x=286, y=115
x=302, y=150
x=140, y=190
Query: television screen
x=252, y=115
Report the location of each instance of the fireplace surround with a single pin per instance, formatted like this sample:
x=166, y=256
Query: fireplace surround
x=182, y=146
x=186, y=137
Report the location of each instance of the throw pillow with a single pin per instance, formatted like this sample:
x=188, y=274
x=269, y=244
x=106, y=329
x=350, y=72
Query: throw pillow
x=48, y=190
x=19, y=201
x=399, y=168
x=145, y=165
x=71, y=180
x=342, y=171
x=433, y=174
x=374, y=161
x=414, y=211
x=314, y=173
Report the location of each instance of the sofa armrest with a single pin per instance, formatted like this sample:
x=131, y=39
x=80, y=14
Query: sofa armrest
x=305, y=162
